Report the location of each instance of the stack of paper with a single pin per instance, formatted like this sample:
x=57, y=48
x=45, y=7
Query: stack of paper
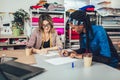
x=60, y=60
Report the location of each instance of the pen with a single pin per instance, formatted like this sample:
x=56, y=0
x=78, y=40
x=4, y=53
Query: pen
x=60, y=50
x=64, y=53
x=73, y=65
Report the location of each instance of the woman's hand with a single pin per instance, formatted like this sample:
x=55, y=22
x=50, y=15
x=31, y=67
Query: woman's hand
x=72, y=54
x=40, y=51
x=79, y=56
x=64, y=53
x=75, y=55
x=43, y=51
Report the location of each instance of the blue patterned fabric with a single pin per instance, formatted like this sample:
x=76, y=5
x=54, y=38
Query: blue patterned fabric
x=99, y=44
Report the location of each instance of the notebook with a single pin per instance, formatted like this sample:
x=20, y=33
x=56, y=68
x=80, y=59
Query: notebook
x=19, y=71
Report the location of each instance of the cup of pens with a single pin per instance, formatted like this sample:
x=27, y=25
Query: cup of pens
x=87, y=59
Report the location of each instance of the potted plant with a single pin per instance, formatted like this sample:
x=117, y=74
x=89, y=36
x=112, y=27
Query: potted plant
x=18, y=24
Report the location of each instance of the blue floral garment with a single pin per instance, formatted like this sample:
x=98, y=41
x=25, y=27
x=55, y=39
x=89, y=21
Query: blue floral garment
x=99, y=44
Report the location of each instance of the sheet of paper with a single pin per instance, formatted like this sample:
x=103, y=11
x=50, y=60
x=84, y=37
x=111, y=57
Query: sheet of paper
x=60, y=60
x=51, y=53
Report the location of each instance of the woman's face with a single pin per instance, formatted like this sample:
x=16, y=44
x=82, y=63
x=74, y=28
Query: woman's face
x=46, y=26
x=77, y=28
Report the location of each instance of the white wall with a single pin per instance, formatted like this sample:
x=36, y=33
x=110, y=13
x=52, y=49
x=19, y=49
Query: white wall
x=13, y=5
x=115, y=3
x=75, y=4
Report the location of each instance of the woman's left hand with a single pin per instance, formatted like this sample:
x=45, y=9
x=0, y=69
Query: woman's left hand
x=44, y=51
x=41, y=51
x=73, y=54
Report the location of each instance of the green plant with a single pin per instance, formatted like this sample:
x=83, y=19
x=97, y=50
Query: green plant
x=19, y=17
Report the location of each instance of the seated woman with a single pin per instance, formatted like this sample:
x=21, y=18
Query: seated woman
x=44, y=37
x=93, y=39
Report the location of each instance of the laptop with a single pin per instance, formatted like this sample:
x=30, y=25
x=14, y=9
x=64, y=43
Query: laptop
x=3, y=76
x=12, y=70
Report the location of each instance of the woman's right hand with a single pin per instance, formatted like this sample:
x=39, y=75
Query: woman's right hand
x=64, y=53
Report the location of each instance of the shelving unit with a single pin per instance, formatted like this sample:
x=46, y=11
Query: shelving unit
x=10, y=42
x=111, y=24
x=56, y=15
x=105, y=8
x=110, y=19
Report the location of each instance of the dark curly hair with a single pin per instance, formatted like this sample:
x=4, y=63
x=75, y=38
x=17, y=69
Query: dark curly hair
x=81, y=16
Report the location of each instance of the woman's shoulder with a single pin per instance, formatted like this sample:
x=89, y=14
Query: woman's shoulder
x=97, y=27
x=36, y=30
x=54, y=32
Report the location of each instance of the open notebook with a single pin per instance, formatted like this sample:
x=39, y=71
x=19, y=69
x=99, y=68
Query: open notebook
x=12, y=70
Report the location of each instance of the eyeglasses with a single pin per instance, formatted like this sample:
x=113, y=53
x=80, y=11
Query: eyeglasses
x=47, y=25
x=75, y=22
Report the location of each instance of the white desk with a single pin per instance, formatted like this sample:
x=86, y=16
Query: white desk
x=97, y=71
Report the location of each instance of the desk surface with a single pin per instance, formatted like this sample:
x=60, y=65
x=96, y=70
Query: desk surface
x=97, y=71
x=20, y=55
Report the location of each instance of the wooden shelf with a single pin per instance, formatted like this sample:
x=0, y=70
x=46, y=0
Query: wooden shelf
x=11, y=36
x=115, y=37
x=112, y=8
x=74, y=40
x=107, y=8
x=104, y=2
x=111, y=26
x=13, y=42
x=12, y=45
x=52, y=12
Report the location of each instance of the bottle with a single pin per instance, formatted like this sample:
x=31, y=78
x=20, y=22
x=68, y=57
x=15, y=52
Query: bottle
x=3, y=58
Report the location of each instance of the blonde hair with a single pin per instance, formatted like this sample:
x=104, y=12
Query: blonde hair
x=52, y=30
x=47, y=18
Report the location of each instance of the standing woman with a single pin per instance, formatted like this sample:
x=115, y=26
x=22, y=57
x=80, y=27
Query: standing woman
x=44, y=38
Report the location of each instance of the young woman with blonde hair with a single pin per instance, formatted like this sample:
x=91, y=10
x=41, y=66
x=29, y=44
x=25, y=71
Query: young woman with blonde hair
x=44, y=38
